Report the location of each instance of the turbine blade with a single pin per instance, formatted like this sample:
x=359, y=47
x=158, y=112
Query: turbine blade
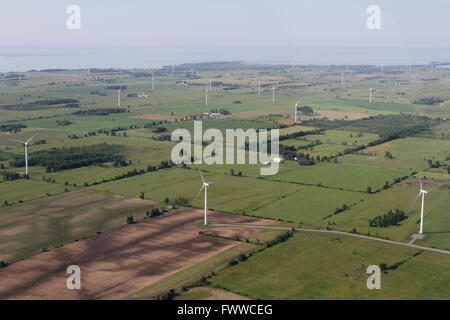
x=201, y=175
x=201, y=189
x=210, y=183
x=420, y=181
x=420, y=193
x=23, y=142
x=31, y=138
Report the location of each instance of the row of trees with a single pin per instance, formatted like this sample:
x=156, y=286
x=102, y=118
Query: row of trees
x=43, y=104
x=57, y=159
x=99, y=111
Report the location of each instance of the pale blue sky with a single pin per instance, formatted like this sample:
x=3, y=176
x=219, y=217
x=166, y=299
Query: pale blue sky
x=405, y=23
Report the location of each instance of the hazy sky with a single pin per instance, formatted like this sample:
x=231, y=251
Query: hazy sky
x=404, y=23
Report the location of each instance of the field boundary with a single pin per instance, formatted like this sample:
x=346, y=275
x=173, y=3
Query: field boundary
x=335, y=232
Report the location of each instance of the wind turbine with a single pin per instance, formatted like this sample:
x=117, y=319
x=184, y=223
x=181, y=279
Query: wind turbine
x=342, y=78
x=421, y=193
x=273, y=94
x=295, y=117
x=204, y=186
x=370, y=95
x=25, y=143
x=118, y=96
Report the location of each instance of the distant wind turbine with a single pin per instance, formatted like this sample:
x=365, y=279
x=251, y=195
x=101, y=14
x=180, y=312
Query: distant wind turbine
x=204, y=186
x=25, y=143
x=422, y=193
x=118, y=96
x=370, y=95
x=273, y=94
x=295, y=116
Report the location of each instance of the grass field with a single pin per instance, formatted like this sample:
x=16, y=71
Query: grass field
x=320, y=266
x=408, y=153
x=436, y=222
x=307, y=206
x=24, y=190
x=340, y=176
x=228, y=195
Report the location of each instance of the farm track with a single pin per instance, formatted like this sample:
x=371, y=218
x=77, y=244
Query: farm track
x=336, y=232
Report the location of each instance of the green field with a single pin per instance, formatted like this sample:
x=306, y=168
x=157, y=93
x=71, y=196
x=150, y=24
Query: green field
x=24, y=190
x=226, y=196
x=321, y=266
x=409, y=153
x=436, y=222
x=307, y=205
x=340, y=176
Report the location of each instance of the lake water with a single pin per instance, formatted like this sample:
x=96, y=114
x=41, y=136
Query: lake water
x=23, y=58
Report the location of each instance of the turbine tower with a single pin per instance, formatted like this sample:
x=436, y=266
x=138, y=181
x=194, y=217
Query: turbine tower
x=370, y=95
x=259, y=87
x=206, y=97
x=273, y=94
x=118, y=96
x=25, y=143
x=295, y=116
x=422, y=193
x=204, y=186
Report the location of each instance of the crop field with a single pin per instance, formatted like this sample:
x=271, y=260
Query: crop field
x=334, y=267
x=31, y=227
x=341, y=176
x=119, y=262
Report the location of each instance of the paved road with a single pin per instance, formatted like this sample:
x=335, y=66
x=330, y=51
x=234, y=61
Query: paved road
x=335, y=232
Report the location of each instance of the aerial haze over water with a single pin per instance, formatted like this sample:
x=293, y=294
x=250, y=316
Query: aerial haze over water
x=24, y=58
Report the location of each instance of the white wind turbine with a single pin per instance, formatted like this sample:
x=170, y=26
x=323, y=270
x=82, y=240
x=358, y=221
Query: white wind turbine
x=295, y=116
x=422, y=193
x=273, y=94
x=204, y=186
x=118, y=96
x=25, y=143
